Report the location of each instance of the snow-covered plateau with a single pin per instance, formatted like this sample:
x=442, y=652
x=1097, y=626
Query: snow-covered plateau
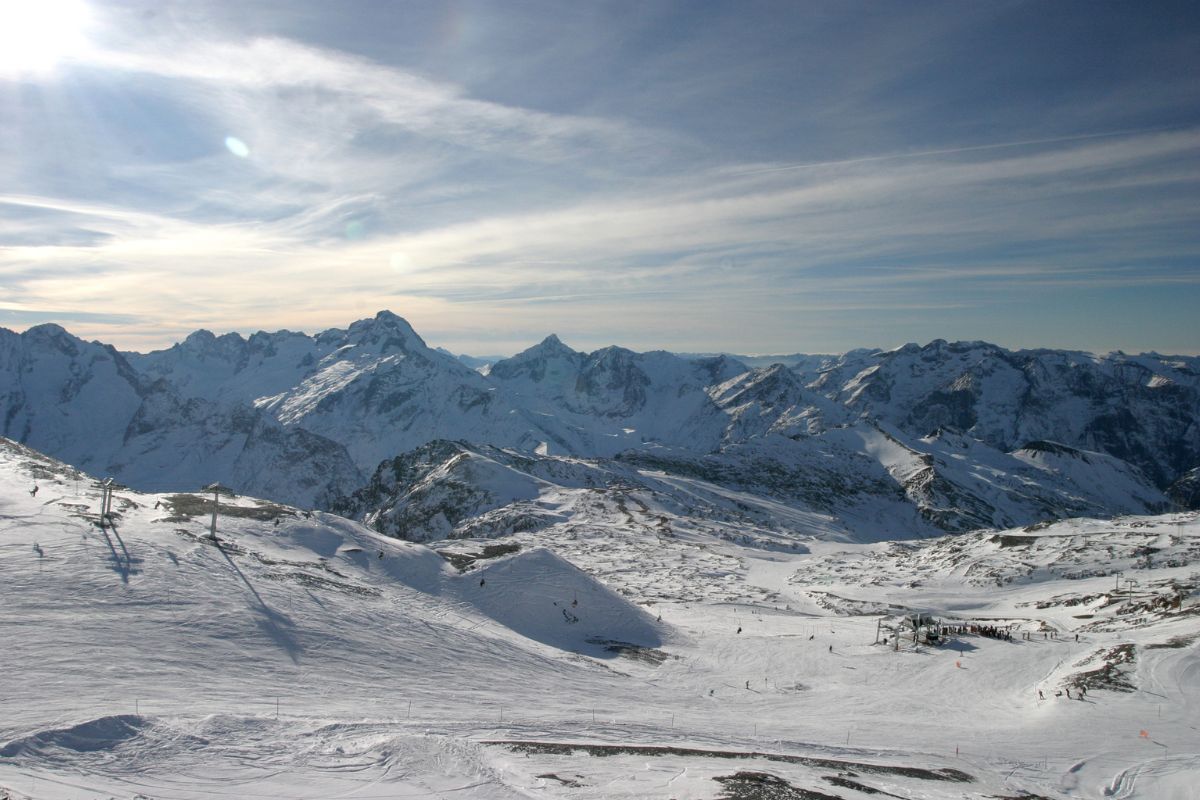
x=600, y=628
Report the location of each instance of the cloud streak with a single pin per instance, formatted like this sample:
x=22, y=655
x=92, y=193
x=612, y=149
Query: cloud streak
x=369, y=184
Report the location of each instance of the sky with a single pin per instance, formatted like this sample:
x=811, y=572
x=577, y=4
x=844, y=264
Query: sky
x=695, y=176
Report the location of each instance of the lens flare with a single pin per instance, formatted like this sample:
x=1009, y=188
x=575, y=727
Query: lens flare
x=237, y=146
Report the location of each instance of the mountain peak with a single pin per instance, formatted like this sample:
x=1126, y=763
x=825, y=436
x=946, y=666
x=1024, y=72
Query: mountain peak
x=387, y=328
x=47, y=329
x=552, y=342
x=389, y=318
x=550, y=354
x=547, y=348
x=52, y=335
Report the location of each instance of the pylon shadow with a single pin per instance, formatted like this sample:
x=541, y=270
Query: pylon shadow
x=123, y=562
x=273, y=623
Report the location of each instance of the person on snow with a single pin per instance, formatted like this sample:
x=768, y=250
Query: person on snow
x=482, y=581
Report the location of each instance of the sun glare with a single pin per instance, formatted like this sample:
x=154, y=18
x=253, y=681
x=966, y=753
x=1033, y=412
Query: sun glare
x=35, y=35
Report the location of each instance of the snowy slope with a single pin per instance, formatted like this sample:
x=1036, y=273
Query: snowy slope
x=305, y=657
x=856, y=483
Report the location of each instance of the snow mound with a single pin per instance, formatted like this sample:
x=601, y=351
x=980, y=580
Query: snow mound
x=104, y=733
x=547, y=599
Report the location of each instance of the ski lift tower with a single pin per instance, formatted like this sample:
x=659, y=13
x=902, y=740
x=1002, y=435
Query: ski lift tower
x=105, y=499
x=217, y=490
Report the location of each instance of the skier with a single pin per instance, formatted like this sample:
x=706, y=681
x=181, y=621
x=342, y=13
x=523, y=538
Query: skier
x=33, y=491
x=1068, y=692
x=381, y=554
x=1040, y=695
x=739, y=630
x=482, y=581
x=747, y=684
x=831, y=648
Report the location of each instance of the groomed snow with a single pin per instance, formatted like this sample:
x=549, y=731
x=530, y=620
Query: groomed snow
x=308, y=657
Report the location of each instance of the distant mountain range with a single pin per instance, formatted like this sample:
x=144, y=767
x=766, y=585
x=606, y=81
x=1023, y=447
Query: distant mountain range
x=373, y=422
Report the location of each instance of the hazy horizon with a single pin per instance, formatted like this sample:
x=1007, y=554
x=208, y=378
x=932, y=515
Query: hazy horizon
x=590, y=348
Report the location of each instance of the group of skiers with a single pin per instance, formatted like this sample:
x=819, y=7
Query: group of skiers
x=1080, y=693
x=990, y=631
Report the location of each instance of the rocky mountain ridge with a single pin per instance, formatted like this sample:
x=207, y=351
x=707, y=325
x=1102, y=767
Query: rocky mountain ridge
x=948, y=436
x=87, y=405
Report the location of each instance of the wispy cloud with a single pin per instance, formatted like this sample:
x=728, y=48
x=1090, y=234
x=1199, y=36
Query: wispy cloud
x=367, y=184
x=851, y=231
x=353, y=94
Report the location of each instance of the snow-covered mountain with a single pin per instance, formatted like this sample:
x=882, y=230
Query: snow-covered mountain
x=945, y=437
x=1142, y=409
x=856, y=483
x=85, y=403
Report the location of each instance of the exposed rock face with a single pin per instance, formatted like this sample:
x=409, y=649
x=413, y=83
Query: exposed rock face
x=1185, y=492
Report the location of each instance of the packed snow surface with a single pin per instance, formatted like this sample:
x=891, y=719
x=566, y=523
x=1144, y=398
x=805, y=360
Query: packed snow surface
x=302, y=655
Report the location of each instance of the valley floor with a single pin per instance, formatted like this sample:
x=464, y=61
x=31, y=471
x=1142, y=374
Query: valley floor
x=304, y=656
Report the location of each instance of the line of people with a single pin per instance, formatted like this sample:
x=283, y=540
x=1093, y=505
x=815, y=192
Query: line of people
x=990, y=631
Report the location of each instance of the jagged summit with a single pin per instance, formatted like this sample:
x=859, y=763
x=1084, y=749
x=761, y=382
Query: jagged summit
x=385, y=331
x=204, y=345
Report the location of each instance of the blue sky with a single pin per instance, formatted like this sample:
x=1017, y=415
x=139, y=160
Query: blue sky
x=751, y=177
